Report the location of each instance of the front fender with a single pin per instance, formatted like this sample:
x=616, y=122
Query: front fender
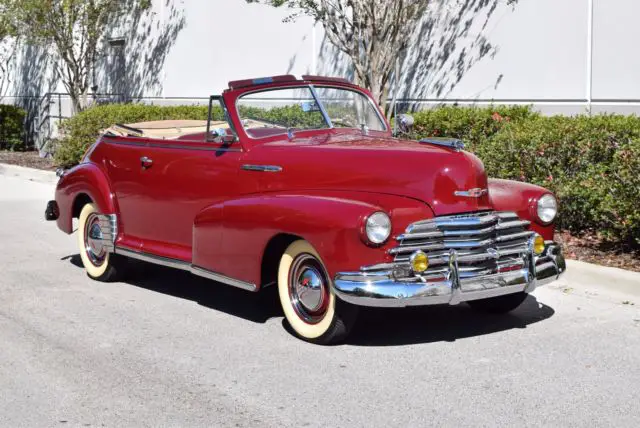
x=330, y=221
x=84, y=179
x=521, y=198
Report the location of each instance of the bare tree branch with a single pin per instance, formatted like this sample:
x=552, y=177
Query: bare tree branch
x=372, y=33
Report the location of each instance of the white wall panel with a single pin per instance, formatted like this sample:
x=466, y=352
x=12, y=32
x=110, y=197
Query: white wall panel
x=616, y=63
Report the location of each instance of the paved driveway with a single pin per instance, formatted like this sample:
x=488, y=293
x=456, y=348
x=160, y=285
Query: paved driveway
x=168, y=349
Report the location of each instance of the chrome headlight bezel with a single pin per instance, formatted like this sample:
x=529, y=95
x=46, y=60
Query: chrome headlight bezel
x=377, y=228
x=547, y=209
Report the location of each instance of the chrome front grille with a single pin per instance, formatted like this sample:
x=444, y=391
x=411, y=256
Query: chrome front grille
x=485, y=243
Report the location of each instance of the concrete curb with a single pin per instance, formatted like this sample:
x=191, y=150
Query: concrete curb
x=613, y=279
x=30, y=174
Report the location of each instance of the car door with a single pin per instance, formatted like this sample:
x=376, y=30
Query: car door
x=181, y=179
x=122, y=161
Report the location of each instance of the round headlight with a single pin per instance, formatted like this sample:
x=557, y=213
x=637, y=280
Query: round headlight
x=378, y=228
x=547, y=208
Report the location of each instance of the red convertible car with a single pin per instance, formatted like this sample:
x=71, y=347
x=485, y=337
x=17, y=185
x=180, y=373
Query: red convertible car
x=299, y=184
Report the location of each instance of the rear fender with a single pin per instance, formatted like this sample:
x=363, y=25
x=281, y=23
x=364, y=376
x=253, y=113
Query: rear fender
x=332, y=222
x=84, y=180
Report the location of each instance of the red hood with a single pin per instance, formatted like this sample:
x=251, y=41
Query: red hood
x=381, y=165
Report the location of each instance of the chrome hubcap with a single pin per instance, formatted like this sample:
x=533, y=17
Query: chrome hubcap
x=93, y=240
x=308, y=289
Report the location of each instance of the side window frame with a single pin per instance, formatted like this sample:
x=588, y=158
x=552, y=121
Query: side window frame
x=220, y=100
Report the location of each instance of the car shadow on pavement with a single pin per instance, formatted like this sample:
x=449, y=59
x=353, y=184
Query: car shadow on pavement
x=427, y=324
x=255, y=307
x=375, y=327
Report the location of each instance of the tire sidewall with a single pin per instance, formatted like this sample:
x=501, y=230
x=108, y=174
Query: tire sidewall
x=92, y=270
x=302, y=328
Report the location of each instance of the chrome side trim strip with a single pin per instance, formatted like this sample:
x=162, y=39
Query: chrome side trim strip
x=222, y=278
x=205, y=145
x=151, y=258
x=185, y=266
x=262, y=168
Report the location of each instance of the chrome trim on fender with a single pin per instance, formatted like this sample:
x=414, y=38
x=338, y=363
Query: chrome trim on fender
x=262, y=168
x=185, y=266
x=382, y=288
x=109, y=228
x=450, y=143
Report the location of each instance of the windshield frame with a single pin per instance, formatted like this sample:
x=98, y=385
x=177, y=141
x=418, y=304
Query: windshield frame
x=373, y=105
x=312, y=88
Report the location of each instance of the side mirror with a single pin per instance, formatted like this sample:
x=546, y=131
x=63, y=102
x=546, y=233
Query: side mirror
x=404, y=123
x=223, y=135
x=219, y=132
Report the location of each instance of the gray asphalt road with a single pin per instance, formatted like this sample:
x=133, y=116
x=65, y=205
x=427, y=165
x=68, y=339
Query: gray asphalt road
x=168, y=349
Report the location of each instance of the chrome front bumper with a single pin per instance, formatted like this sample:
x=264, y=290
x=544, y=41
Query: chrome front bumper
x=382, y=289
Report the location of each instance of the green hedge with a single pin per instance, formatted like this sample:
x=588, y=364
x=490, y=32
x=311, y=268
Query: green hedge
x=592, y=163
x=12, y=127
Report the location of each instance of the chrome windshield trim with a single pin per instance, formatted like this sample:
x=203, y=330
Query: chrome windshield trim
x=323, y=110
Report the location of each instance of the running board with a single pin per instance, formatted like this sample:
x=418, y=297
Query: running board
x=185, y=266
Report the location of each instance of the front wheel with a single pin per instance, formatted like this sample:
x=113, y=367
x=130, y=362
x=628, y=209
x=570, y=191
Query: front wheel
x=308, y=301
x=99, y=264
x=499, y=305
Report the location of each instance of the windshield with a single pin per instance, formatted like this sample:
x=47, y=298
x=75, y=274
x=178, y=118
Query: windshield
x=285, y=110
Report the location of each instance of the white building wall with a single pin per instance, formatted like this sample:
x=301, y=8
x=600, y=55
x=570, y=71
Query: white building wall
x=535, y=52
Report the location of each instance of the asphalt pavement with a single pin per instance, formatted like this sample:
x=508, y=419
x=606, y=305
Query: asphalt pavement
x=169, y=349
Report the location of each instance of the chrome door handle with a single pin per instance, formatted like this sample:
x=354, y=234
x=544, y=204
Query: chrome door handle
x=146, y=162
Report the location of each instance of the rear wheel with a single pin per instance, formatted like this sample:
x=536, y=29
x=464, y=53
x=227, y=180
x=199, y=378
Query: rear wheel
x=99, y=264
x=307, y=297
x=499, y=305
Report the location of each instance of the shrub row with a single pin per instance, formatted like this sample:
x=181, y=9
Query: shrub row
x=12, y=127
x=591, y=163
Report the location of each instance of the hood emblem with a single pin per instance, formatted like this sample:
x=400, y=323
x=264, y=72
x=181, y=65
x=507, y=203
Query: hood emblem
x=472, y=193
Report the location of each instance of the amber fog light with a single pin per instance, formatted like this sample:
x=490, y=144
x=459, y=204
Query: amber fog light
x=419, y=262
x=538, y=245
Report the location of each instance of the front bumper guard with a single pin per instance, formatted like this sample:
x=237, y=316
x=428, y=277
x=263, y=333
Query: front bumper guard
x=382, y=289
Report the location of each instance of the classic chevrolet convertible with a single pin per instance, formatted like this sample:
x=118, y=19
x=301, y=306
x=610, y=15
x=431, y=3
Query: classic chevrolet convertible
x=299, y=184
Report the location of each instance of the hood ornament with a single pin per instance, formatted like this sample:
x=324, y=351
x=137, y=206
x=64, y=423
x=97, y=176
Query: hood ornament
x=472, y=193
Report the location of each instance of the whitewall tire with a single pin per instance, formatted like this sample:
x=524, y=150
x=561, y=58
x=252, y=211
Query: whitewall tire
x=99, y=264
x=308, y=301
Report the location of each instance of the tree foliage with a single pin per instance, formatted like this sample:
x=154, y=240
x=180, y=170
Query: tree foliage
x=372, y=33
x=73, y=28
